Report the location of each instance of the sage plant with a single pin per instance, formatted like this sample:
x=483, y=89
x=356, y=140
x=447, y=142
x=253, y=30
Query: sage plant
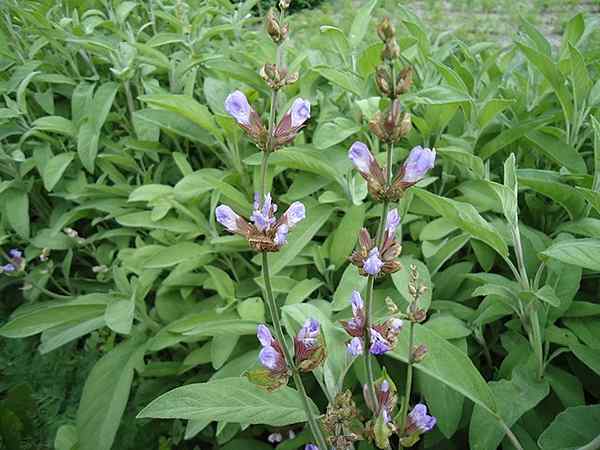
x=266, y=233
x=376, y=256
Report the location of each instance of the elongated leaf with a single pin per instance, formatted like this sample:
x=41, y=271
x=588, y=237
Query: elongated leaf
x=514, y=398
x=574, y=428
x=105, y=395
x=359, y=26
x=578, y=252
x=448, y=364
x=55, y=168
x=466, y=217
x=347, y=80
x=234, y=400
x=185, y=106
x=16, y=206
x=346, y=234
x=351, y=281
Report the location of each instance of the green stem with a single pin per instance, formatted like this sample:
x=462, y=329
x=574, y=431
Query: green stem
x=368, y=357
x=409, y=377
x=369, y=296
x=273, y=310
x=511, y=435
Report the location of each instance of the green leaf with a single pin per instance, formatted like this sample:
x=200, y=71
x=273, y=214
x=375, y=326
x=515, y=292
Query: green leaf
x=119, y=316
x=466, y=217
x=547, y=294
x=589, y=356
x=105, y=396
x=552, y=74
x=351, y=281
x=87, y=145
x=185, y=106
x=35, y=320
x=437, y=95
x=548, y=183
x=16, y=207
x=175, y=254
x=448, y=364
x=557, y=150
x=55, y=124
x=222, y=282
x=300, y=236
x=463, y=159
x=55, y=169
x=572, y=429
x=302, y=290
x=578, y=252
x=346, y=234
x=491, y=109
x=360, y=24
x=221, y=348
x=345, y=79
x=330, y=133
x=566, y=386
x=172, y=122
x=514, y=398
x=234, y=400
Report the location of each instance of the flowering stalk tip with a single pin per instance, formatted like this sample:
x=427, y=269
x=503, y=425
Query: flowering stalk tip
x=264, y=232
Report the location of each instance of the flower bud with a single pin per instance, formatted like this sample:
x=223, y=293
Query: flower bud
x=386, y=30
x=404, y=81
x=274, y=28
x=390, y=50
x=418, y=353
x=383, y=80
x=392, y=222
x=356, y=326
x=419, y=162
x=361, y=157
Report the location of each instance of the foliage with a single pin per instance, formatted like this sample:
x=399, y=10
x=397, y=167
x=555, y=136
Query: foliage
x=115, y=149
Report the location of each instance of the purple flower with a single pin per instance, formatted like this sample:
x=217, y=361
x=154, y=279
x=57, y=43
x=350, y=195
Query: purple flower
x=355, y=346
x=373, y=263
x=294, y=214
x=311, y=447
x=309, y=333
x=15, y=253
x=263, y=217
x=7, y=268
x=300, y=112
x=281, y=235
x=264, y=335
x=420, y=420
x=392, y=222
x=269, y=358
x=379, y=345
x=237, y=106
x=227, y=217
x=419, y=161
x=360, y=156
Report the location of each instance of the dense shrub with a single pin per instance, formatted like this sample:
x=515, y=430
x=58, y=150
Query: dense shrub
x=116, y=148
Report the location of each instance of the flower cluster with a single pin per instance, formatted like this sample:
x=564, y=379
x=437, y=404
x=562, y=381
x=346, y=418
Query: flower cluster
x=264, y=232
x=309, y=353
x=274, y=372
x=420, y=160
x=309, y=346
x=392, y=125
x=372, y=260
x=383, y=336
x=237, y=106
x=16, y=264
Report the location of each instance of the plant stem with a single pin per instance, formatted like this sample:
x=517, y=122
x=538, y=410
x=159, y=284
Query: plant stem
x=312, y=419
x=511, y=435
x=369, y=296
x=409, y=376
x=270, y=300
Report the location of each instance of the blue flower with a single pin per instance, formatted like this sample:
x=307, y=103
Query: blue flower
x=373, y=263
